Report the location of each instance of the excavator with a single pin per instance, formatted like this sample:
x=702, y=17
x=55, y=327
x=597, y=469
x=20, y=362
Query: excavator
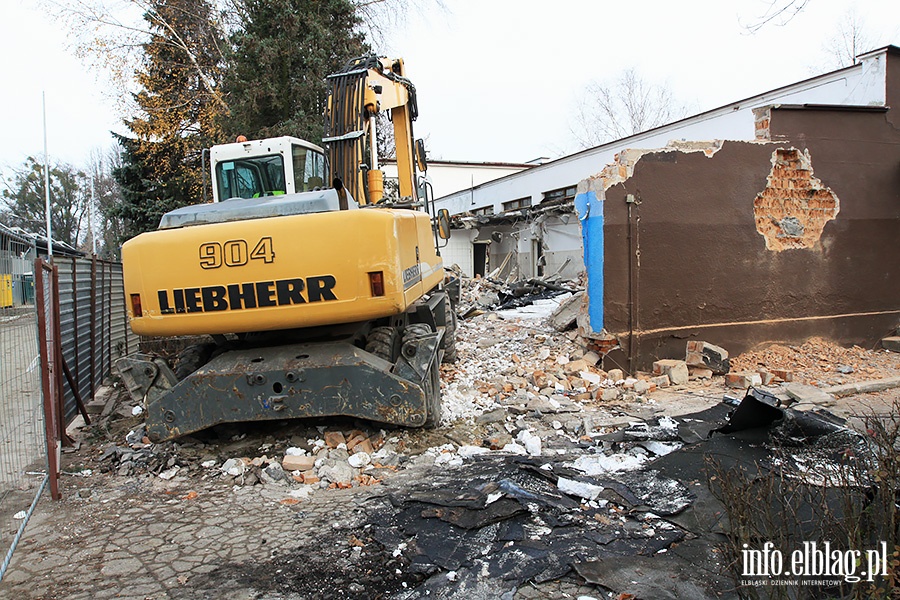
x=319, y=295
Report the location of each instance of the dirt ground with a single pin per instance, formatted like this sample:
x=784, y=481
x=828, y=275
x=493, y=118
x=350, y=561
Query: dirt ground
x=216, y=516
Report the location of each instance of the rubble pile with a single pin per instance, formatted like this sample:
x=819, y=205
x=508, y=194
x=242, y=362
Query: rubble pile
x=489, y=293
x=337, y=459
x=513, y=361
x=820, y=362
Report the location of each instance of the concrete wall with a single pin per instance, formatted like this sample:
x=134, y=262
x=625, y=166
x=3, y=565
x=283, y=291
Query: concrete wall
x=752, y=242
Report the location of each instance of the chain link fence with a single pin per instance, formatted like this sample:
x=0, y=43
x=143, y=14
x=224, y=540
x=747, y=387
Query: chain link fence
x=23, y=448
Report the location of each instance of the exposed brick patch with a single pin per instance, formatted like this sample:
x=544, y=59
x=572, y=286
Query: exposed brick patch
x=795, y=206
x=761, y=120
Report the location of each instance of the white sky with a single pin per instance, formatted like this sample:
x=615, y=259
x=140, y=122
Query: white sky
x=497, y=79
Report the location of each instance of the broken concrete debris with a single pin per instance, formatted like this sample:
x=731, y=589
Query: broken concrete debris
x=546, y=464
x=708, y=356
x=491, y=294
x=743, y=380
x=676, y=370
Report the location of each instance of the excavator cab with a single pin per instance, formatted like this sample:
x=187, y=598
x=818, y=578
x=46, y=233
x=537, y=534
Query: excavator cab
x=272, y=167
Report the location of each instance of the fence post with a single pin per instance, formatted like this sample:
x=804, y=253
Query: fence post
x=44, y=277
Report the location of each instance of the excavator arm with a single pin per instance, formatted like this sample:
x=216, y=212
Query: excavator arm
x=365, y=88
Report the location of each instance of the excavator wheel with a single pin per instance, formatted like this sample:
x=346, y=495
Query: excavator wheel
x=432, y=380
x=192, y=358
x=448, y=343
x=384, y=342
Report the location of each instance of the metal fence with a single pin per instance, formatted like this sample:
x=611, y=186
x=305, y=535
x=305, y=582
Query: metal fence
x=94, y=328
x=23, y=448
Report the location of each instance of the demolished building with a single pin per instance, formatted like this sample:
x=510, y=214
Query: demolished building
x=783, y=227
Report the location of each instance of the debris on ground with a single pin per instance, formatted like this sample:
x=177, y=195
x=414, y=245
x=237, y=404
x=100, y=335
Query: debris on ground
x=481, y=294
x=545, y=471
x=820, y=362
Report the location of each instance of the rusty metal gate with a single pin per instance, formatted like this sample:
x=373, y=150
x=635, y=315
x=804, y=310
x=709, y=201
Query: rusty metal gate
x=62, y=326
x=24, y=472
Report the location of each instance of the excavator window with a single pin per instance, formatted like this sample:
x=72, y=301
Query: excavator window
x=309, y=169
x=251, y=177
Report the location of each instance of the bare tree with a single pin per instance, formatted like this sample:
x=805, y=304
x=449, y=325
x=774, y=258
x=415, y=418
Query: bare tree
x=779, y=12
x=381, y=17
x=614, y=109
x=111, y=36
x=851, y=39
x=105, y=226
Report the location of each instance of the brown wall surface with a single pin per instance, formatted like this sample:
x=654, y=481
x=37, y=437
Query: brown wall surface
x=689, y=263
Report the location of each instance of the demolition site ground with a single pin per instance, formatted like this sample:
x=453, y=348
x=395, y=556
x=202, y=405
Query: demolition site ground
x=548, y=478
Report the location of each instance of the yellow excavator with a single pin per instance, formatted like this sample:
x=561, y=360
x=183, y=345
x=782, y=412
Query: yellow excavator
x=321, y=297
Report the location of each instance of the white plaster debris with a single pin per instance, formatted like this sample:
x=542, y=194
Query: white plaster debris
x=470, y=451
x=588, y=491
x=208, y=464
x=137, y=410
x=613, y=463
x=297, y=451
x=661, y=448
x=170, y=473
x=530, y=442
x=20, y=515
x=359, y=460
x=514, y=448
x=234, y=467
x=493, y=497
x=591, y=378
x=301, y=492
x=451, y=575
x=399, y=550
x=669, y=424
x=541, y=309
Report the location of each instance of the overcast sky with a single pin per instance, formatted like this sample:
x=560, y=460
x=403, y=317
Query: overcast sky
x=497, y=79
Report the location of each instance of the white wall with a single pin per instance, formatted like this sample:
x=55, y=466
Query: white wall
x=459, y=250
x=447, y=178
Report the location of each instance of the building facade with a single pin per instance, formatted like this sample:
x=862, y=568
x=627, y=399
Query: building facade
x=524, y=222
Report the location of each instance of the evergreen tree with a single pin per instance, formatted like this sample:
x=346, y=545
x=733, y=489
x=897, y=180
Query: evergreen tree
x=279, y=58
x=179, y=103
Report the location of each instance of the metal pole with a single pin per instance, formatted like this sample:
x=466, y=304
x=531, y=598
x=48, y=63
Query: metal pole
x=21, y=530
x=373, y=143
x=47, y=180
x=92, y=215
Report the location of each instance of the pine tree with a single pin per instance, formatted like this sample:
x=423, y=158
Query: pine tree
x=279, y=58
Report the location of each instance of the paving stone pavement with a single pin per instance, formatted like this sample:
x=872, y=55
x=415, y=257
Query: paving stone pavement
x=147, y=539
